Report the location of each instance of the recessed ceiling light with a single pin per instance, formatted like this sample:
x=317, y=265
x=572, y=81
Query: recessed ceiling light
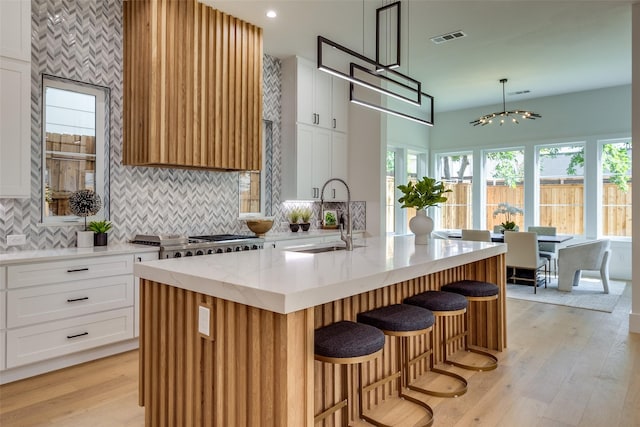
x=271, y=14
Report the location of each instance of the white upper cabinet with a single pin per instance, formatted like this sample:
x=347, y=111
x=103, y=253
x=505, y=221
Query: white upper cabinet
x=15, y=29
x=319, y=98
x=314, y=125
x=15, y=99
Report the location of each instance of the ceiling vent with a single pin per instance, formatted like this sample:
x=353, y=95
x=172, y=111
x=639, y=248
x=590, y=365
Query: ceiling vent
x=448, y=37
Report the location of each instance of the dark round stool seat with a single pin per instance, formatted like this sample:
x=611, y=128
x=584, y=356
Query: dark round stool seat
x=346, y=339
x=438, y=301
x=398, y=317
x=472, y=288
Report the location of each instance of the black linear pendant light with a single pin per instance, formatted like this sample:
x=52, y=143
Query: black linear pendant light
x=503, y=115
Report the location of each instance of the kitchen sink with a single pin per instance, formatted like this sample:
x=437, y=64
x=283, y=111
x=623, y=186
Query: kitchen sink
x=321, y=249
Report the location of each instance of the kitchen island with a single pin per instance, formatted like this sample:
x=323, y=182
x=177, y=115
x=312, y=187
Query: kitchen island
x=255, y=364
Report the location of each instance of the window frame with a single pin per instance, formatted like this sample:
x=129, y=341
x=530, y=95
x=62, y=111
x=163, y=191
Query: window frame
x=102, y=170
x=267, y=132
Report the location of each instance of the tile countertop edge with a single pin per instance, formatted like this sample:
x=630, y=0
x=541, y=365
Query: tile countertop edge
x=59, y=254
x=315, y=291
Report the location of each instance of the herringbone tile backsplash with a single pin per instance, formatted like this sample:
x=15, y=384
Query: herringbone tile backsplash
x=82, y=40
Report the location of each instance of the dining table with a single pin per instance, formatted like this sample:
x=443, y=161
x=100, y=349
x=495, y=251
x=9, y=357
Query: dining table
x=499, y=237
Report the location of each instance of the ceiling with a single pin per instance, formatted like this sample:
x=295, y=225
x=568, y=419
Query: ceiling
x=546, y=47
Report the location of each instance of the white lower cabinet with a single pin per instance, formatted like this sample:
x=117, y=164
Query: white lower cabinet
x=47, y=340
x=149, y=256
x=79, y=307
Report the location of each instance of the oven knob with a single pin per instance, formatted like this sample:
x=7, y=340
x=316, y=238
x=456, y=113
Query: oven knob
x=189, y=253
x=254, y=247
x=177, y=255
x=246, y=248
x=199, y=252
x=229, y=250
x=238, y=248
x=210, y=251
x=219, y=251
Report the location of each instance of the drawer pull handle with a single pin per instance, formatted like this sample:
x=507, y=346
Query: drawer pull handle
x=78, y=269
x=77, y=335
x=77, y=299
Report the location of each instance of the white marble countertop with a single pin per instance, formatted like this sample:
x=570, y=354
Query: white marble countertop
x=285, y=281
x=57, y=254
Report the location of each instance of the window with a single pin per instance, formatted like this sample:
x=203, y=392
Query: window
x=75, y=140
x=504, y=182
x=456, y=172
x=561, y=188
x=615, y=158
x=254, y=187
x=390, y=196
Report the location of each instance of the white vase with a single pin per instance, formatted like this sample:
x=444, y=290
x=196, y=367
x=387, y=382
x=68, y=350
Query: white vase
x=421, y=225
x=84, y=239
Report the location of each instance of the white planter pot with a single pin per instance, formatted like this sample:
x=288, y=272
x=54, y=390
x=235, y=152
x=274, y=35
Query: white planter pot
x=84, y=239
x=421, y=225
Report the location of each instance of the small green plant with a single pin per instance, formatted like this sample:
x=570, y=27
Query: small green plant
x=305, y=215
x=509, y=213
x=424, y=193
x=294, y=216
x=100, y=226
x=330, y=218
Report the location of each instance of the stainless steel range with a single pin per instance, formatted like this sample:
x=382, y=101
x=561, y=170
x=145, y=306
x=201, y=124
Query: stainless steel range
x=175, y=246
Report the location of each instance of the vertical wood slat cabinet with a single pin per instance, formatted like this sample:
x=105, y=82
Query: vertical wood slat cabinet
x=192, y=87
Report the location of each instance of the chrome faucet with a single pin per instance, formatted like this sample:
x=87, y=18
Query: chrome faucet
x=348, y=238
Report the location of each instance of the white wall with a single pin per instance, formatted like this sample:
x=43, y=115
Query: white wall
x=634, y=316
x=576, y=115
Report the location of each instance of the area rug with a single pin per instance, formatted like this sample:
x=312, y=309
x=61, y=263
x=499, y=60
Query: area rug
x=588, y=294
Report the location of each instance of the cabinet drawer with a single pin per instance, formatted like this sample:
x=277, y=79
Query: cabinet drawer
x=73, y=269
x=44, y=341
x=32, y=305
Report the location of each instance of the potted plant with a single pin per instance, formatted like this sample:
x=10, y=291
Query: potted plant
x=421, y=195
x=305, y=216
x=100, y=229
x=509, y=213
x=294, y=216
x=84, y=203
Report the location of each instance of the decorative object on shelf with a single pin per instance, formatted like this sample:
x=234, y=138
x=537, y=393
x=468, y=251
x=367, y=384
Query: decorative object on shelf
x=305, y=216
x=260, y=225
x=294, y=216
x=100, y=229
x=84, y=203
x=330, y=219
x=509, y=213
x=504, y=114
x=421, y=195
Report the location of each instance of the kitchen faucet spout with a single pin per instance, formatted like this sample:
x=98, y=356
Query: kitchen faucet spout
x=348, y=238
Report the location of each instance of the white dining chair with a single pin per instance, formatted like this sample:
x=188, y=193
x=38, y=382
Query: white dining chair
x=476, y=235
x=573, y=259
x=522, y=254
x=545, y=249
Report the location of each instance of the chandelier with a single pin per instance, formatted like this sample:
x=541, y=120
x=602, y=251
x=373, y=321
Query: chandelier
x=503, y=115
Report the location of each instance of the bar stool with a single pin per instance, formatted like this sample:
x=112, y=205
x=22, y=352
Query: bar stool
x=448, y=304
x=345, y=343
x=401, y=321
x=474, y=290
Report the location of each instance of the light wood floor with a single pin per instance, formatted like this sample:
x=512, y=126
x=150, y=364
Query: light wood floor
x=563, y=367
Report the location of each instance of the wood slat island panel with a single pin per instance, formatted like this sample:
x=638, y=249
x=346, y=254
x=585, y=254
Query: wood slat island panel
x=259, y=368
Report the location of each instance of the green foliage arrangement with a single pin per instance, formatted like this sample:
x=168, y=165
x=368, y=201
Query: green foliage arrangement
x=100, y=226
x=305, y=215
x=424, y=193
x=294, y=216
x=509, y=212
